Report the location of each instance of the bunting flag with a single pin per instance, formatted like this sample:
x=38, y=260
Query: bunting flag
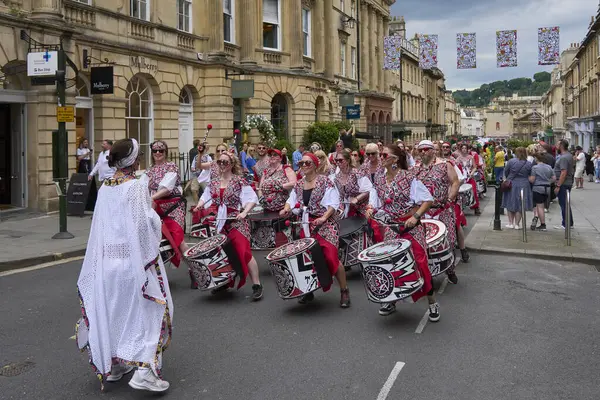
x=392, y=51
x=466, y=51
x=506, y=48
x=549, y=46
x=428, y=49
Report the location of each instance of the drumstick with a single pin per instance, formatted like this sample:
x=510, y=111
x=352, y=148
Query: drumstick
x=315, y=231
x=208, y=128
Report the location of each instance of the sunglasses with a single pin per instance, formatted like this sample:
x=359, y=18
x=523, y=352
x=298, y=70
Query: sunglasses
x=221, y=151
x=424, y=150
x=223, y=162
x=305, y=163
x=261, y=148
x=354, y=155
x=274, y=155
x=445, y=147
x=158, y=151
x=371, y=154
x=340, y=160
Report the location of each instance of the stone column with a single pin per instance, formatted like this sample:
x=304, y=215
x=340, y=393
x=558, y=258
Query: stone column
x=47, y=9
x=216, y=43
x=386, y=74
x=379, y=60
x=319, y=33
x=330, y=34
x=248, y=21
x=296, y=38
x=372, y=55
x=364, y=45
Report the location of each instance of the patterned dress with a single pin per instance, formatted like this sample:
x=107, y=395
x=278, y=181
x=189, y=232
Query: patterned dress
x=156, y=174
x=436, y=179
x=351, y=189
x=274, y=194
x=259, y=168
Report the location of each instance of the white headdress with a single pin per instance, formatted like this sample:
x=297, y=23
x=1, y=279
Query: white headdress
x=130, y=159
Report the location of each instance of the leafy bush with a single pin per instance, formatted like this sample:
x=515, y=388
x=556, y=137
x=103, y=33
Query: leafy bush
x=326, y=134
x=514, y=143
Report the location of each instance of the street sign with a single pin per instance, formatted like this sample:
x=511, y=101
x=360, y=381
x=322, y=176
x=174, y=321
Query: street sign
x=77, y=194
x=353, y=112
x=42, y=64
x=346, y=100
x=65, y=114
x=242, y=89
x=102, y=79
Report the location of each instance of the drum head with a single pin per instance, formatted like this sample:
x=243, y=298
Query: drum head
x=434, y=230
x=265, y=216
x=291, y=249
x=205, y=246
x=384, y=250
x=348, y=226
x=256, y=210
x=465, y=187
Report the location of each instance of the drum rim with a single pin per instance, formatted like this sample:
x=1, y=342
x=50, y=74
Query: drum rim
x=371, y=298
x=217, y=236
x=364, y=223
x=269, y=256
x=467, y=187
x=442, y=232
x=383, y=256
x=263, y=213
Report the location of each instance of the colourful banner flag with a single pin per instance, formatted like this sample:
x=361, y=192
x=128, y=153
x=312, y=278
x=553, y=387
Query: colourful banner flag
x=466, y=51
x=428, y=51
x=506, y=48
x=549, y=46
x=392, y=51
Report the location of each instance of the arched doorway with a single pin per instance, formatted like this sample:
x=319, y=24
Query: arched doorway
x=279, y=114
x=139, y=115
x=373, y=124
x=381, y=126
x=186, y=120
x=84, y=116
x=319, y=108
x=331, y=118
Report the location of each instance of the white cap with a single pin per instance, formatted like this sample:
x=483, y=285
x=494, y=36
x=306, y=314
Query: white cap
x=425, y=144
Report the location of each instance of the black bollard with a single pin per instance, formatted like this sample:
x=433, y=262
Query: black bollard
x=498, y=203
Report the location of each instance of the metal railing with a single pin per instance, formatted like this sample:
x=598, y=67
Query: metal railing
x=568, y=217
x=523, y=216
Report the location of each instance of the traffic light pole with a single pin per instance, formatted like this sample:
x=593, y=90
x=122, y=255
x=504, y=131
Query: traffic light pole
x=61, y=151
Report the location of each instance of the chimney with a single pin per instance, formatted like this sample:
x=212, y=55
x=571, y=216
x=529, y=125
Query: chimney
x=398, y=27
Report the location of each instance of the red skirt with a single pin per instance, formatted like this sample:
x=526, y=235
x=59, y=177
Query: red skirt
x=420, y=255
x=461, y=220
x=474, y=186
x=330, y=252
x=241, y=244
x=377, y=234
x=173, y=232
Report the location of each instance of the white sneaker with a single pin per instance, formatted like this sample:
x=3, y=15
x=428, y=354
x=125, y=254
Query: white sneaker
x=559, y=227
x=118, y=371
x=387, y=309
x=517, y=227
x=509, y=226
x=434, y=312
x=144, y=379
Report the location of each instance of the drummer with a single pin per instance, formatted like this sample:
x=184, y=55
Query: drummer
x=262, y=162
x=355, y=190
x=374, y=171
x=468, y=166
x=440, y=179
x=405, y=201
x=230, y=192
x=276, y=182
x=319, y=198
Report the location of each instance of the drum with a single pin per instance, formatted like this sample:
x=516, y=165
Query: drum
x=479, y=182
x=202, y=228
x=268, y=230
x=256, y=210
x=439, y=252
x=467, y=196
x=299, y=268
x=353, y=239
x=389, y=271
x=166, y=250
x=213, y=262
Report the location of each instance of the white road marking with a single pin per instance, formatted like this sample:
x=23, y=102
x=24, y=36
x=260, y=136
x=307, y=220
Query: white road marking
x=72, y=337
x=385, y=390
x=423, y=322
x=41, y=266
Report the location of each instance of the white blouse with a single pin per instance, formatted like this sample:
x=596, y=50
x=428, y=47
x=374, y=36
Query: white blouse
x=204, y=175
x=419, y=193
x=169, y=181
x=247, y=196
x=83, y=151
x=331, y=198
x=461, y=177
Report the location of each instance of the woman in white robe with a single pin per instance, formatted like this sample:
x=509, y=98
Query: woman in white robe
x=126, y=303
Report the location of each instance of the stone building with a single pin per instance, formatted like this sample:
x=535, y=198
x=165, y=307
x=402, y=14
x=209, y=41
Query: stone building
x=582, y=89
x=472, y=122
x=526, y=111
x=419, y=100
x=498, y=124
x=553, y=109
x=451, y=114
x=174, y=63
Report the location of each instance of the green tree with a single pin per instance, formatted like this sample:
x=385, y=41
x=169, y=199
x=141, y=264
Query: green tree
x=325, y=133
x=542, y=76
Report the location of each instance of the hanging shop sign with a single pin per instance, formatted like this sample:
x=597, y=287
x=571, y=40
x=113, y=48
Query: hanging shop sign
x=102, y=80
x=242, y=89
x=353, y=112
x=42, y=64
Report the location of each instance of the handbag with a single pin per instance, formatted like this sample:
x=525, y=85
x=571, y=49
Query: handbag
x=506, y=184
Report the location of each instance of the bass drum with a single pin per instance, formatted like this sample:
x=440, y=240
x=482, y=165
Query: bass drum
x=213, y=262
x=201, y=226
x=299, y=268
x=439, y=252
x=354, y=238
x=166, y=250
x=268, y=230
x=389, y=271
x=466, y=194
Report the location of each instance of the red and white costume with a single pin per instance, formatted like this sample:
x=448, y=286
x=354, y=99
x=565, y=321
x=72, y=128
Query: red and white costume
x=403, y=194
x=273, y=192
x=171, y=209
x=314, y=204
x=466, y=164
x=354, y=185
x=228, y=203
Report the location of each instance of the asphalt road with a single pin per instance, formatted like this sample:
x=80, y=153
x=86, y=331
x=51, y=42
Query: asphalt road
x=511, y=329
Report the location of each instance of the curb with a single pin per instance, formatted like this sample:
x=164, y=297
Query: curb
x=30, y=262
x=594, y=262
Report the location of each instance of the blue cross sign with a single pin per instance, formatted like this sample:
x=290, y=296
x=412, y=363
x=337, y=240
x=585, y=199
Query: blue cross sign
x=47, y=56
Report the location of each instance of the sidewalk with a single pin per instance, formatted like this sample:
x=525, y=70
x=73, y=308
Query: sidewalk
x=585, y=237
x=29, y=242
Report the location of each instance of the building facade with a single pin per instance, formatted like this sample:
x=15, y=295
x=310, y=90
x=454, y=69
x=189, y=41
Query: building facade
x=419, y=94
x=174, y=64
x=582, y=89
x=498, y=124
x=472, y=122
x=553, y=109
x=451, y=115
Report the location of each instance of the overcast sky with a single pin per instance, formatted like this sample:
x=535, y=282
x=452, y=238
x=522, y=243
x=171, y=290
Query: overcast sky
x=484, y=17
